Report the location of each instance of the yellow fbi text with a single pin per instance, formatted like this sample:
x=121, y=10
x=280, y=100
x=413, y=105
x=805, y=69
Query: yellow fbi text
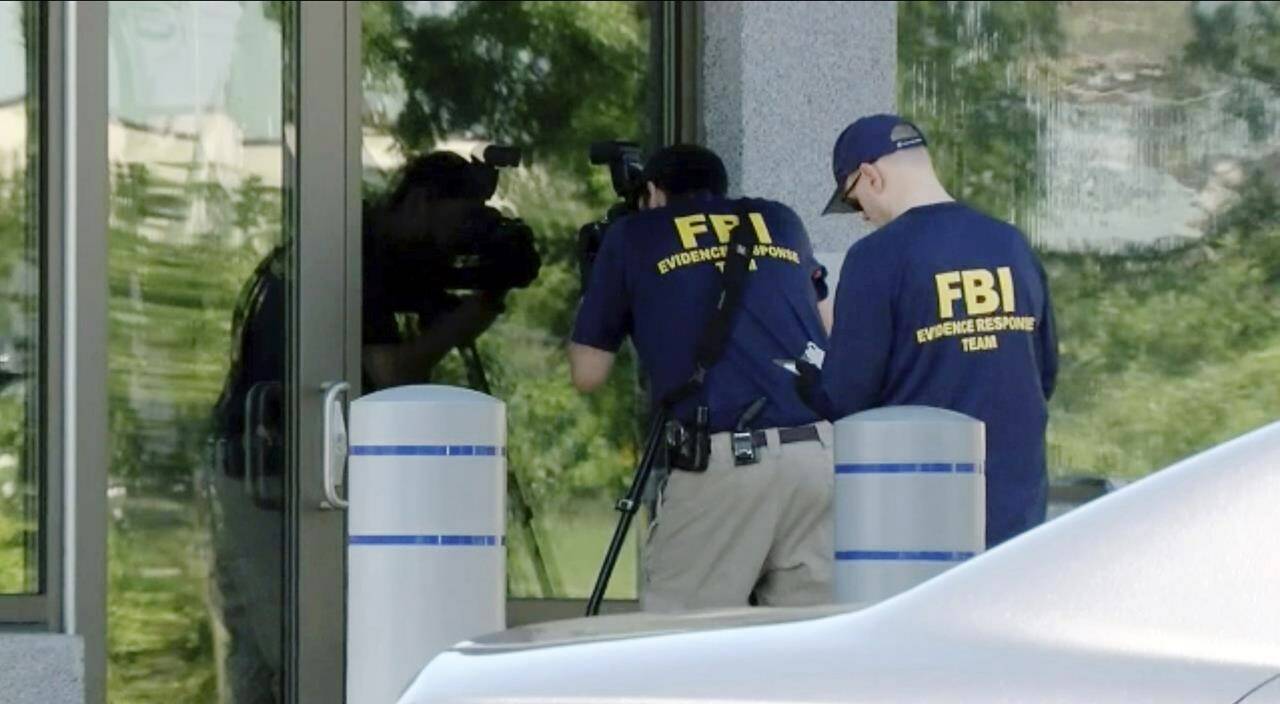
x=985, y=295
x=976, y=326
x=978, y=288
x=690, y=227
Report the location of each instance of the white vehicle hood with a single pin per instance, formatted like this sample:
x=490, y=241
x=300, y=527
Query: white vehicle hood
x=1165, y=591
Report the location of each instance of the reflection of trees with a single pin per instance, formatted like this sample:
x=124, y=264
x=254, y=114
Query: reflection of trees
x=19, y=507
x=1165, y=351
x=182, y=244
x=548, y=77
x=963, y=78
x=1240, y=41
x=170, y=306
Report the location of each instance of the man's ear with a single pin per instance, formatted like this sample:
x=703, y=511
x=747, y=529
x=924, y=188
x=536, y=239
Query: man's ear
x=873, y=177
x=657, y=197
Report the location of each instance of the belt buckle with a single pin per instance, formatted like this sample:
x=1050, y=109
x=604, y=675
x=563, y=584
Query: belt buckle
x=744, y=448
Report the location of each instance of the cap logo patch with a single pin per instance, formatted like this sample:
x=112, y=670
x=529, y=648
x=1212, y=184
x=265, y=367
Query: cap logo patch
x=904, y=135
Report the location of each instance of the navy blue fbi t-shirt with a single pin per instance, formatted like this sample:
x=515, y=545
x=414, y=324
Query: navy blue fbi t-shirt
x=947, y=307
x=657, y=279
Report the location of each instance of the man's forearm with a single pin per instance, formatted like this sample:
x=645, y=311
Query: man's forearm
x=826, y=311
x=589, y=366
x=411, y=361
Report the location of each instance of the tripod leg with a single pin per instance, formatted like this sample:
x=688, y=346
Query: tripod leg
x=627, y=506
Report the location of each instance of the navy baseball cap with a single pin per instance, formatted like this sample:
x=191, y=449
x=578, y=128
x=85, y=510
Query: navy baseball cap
x=864, y=142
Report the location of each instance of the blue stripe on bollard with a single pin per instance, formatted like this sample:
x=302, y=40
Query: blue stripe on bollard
x=430, y=540
x=907, y=468
x=903, y=555
x=429, y=450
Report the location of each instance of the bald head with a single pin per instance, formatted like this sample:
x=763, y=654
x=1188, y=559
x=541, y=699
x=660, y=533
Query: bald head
x=911, y=160
x=896, y=183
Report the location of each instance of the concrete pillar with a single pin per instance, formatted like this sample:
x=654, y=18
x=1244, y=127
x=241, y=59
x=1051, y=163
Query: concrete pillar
x=41, y=668
x=777, y=83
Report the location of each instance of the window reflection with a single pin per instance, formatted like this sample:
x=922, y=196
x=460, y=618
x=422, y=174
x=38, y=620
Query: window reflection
x=1136, y=145
x=198, y=273
x=20, y=283
x=548, y=78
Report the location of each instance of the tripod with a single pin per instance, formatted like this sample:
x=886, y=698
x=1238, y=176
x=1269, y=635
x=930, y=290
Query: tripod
x=515, y=491
x=627, y=507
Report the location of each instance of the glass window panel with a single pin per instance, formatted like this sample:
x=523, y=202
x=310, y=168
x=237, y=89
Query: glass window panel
x=549, y=78
x=1136, y=144
x=20, y=300
x=199, y=276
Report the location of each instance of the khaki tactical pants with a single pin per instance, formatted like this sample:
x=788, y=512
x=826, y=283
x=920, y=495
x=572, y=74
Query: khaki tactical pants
x=717, y=536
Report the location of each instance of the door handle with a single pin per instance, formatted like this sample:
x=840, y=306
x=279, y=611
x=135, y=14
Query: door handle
x=335, y=443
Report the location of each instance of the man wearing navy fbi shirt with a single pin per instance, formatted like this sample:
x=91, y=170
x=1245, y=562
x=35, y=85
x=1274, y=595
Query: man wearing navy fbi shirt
x=732, y=527
x=941, y=306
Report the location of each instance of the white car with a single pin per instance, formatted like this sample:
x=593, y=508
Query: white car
x=1167, y=590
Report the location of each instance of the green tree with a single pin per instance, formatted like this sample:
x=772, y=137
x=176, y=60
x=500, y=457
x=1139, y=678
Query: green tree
x=963, y=76
x=1240, y=43
x=546, y=76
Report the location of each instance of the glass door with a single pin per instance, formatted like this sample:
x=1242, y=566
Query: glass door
x=21, y=310
x=546, y=78
x=227, y=315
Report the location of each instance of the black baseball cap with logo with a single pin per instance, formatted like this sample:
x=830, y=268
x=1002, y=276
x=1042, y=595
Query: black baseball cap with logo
x=864, y=142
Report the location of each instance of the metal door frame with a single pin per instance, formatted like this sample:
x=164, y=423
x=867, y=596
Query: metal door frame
x=328, y=334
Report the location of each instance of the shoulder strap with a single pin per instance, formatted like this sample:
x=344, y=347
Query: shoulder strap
x=715, y=336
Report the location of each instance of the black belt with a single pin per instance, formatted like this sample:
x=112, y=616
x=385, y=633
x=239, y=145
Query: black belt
x=786, y=436
x=759, y=438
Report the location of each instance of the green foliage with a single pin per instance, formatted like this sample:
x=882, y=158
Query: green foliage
x=963, y=74
x=161, y=639
x=170, y=305
x=548, y=76
x=1240, y=42
x=1167, y=355
x=172, y=289
x=19, y=324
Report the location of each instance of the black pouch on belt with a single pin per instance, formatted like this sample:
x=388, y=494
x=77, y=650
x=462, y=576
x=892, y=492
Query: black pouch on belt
x=689, y=444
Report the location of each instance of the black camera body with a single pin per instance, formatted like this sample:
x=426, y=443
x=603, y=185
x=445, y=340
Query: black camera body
x=626, y=170
x=497, y=255
x=463, y=245
x=495, y=252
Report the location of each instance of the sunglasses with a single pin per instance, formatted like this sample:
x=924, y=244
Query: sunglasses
x=847, y=196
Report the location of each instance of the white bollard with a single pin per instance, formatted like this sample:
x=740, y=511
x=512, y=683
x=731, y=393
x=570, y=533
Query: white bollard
x=426, y=555
x=910, y=498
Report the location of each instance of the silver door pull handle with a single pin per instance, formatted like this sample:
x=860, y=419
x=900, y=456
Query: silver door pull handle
x=335, y=443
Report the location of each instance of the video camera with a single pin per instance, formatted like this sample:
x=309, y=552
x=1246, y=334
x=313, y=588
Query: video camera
x=626, y=171
x=493, y=252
